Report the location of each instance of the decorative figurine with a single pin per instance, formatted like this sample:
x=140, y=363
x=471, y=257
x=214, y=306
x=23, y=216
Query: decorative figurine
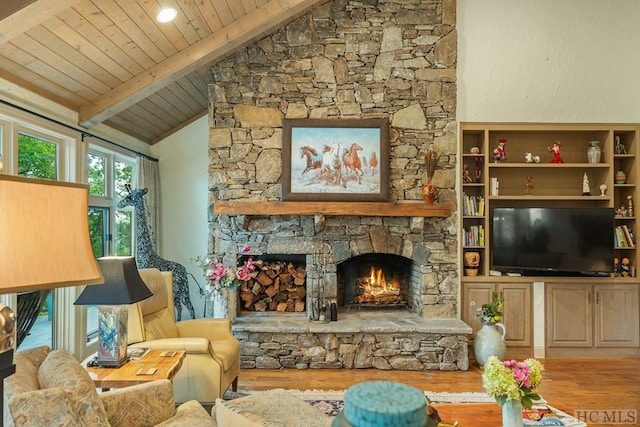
x=624, y=268
x=603, y=189
x=479, y=161
x=555, y=150
x=620, y=148
x=629, y=206
x=586, y=189
x=475, y=150
x=530, y=158
x=528, y=186
x=616, y=266
x=466, y=177
x=499, y=153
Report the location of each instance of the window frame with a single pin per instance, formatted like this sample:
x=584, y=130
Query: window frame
x=109, y=202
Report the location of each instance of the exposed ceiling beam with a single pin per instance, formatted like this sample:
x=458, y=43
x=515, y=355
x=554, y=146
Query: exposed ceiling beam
x=16, y=17
x=251, y=26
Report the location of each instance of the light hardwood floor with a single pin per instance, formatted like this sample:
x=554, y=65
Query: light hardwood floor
x=568, y=384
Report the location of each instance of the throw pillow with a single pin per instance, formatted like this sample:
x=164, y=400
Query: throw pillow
x=61, y=370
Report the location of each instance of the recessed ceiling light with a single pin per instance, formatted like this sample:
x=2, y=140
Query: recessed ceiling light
x=166, y=14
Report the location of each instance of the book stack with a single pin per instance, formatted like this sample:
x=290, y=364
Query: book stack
x=624, y=238
x=474, y=235
x=473, y=205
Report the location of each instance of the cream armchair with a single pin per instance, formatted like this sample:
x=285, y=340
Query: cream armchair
x=212, y=360
x=51, y=388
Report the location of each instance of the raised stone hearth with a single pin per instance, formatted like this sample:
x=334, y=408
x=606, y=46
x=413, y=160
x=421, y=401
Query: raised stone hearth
x=381, y=340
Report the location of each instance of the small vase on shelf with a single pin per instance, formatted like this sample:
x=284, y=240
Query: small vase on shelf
x=471, y=263
x=620, y=177
x=512, y=413
x=594, y=152
x=429, y=192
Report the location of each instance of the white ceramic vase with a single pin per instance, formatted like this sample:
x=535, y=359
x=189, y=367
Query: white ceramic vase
x=224, y=304
x=489, y=342
x=593, y=152
x=512, y=414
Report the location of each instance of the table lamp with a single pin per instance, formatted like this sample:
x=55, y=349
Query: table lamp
x=122, y=286
x=44, y=244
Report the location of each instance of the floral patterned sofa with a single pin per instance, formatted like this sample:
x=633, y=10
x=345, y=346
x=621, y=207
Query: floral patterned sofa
x=50, y=387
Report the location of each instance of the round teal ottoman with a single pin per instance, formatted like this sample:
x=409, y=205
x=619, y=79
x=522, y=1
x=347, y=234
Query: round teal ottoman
x=383, y=404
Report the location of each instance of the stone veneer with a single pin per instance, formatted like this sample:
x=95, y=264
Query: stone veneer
x=345, y=59
x=389, y=340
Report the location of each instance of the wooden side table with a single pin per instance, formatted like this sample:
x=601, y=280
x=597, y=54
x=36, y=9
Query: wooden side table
x=155, y=365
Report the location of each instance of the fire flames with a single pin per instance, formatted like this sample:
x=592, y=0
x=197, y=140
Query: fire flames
x=376, y=289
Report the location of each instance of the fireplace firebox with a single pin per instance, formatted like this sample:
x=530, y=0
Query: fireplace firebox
x=374, y=281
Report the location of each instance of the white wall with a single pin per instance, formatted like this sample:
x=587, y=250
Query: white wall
x=184, y=161
x=548, y=61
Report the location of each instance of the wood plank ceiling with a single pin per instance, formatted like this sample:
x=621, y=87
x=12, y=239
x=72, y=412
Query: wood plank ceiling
x=112, y=63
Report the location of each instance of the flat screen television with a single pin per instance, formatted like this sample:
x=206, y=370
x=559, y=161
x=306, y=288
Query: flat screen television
x=553, y=241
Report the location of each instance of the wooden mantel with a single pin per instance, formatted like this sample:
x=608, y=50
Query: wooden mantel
x=418, y=209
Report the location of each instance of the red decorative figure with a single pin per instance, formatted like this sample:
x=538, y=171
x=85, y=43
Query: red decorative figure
x=555, y=150
x=499, y=153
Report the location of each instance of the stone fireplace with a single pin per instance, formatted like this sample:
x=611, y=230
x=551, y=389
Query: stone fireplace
x=345, y=59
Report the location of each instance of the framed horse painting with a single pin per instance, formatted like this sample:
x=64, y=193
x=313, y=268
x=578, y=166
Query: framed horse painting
x=335, y=160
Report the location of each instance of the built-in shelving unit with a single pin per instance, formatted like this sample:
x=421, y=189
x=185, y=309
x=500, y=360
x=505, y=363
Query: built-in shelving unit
x=608, y=305
x=552, y=184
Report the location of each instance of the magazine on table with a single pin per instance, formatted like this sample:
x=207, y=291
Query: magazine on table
x=136, y=353
x=545, y=415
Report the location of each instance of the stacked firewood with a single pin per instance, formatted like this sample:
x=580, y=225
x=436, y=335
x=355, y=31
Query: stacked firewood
x=275, y=286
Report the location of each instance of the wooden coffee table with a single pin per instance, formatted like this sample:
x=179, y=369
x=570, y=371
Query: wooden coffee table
x=155, y=365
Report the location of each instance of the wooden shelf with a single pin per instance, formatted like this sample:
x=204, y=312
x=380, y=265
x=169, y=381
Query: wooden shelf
x=418, y=209
x=549, y=165
x=561, y=198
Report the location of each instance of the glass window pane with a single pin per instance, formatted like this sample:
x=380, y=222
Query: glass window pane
x=123, y=233
x=41, y=332
x=96, y=174
x=92, y=322
x=98, y=230
x=123, y=172
x=37, y=158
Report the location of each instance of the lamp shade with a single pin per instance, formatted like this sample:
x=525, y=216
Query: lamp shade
x=44, y=235
x=122, y=284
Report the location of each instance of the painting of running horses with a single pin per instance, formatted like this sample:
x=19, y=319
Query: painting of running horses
x=335, y=159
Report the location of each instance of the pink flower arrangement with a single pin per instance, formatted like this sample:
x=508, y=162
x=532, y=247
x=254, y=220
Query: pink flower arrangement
x=220, y=276
x=512, y=380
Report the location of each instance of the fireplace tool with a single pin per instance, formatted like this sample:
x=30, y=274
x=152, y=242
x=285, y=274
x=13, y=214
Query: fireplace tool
x=318, y=307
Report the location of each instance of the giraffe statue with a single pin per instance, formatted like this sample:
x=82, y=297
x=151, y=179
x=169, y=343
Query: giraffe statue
x=146, y=257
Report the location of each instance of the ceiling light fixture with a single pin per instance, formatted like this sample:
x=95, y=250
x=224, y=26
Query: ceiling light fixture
x=166, y=14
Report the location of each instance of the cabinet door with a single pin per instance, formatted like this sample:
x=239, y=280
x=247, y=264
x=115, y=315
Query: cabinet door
x=517, y=313
x=617, y=316
x=473, y=296
x=569, y=315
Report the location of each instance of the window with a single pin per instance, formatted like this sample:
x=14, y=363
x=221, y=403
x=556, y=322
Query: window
x=37, y=158
x=39, y=155
x=110, y=228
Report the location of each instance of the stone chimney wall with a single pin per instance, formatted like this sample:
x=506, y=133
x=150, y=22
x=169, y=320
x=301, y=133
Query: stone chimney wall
x=345, y=59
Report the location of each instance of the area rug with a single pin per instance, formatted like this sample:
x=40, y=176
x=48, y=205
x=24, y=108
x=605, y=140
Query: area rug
x=331, y=402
